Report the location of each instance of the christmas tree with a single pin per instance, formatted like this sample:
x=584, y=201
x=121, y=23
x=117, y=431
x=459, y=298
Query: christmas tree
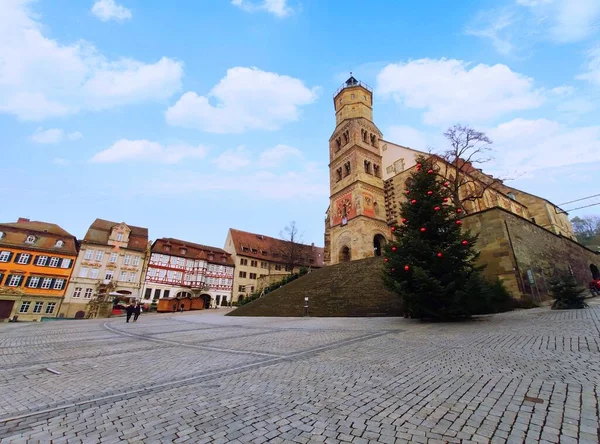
x=431, y=262
x=567, y=293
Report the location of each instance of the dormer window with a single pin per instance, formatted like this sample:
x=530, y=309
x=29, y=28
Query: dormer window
x=166, y=248
x=59, y=244
x=183, y=251
x=30, y=239
x=211, y=257
x=512, y=196
x=1, y=234
x=119, y=237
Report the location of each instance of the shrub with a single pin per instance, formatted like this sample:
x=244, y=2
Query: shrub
x=567, y=293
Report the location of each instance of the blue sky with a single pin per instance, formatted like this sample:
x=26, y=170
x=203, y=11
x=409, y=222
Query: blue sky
x=192, y=117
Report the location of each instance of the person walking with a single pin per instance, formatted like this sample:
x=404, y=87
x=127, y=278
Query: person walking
x=136, y=311
x=130, y=309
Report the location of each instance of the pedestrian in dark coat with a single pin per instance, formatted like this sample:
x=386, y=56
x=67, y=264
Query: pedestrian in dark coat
x=136, y=312
x=130, y=310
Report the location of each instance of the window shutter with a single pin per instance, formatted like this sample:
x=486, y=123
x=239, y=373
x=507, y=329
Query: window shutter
x=1, y=277
x=29, y=259
x=52, y=284
x=35, y=259
x=27, y=281
x=17, y=257
x=10, y=255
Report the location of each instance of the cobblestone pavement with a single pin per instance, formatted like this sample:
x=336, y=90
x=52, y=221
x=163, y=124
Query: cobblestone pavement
x=526, y=376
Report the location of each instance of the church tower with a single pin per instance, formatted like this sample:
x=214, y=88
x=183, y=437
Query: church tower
x=355, y=227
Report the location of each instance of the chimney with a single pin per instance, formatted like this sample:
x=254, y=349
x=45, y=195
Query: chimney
x=312, y=245
x=22, y=219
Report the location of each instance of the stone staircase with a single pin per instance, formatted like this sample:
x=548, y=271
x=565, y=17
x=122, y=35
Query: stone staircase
x=347, y=289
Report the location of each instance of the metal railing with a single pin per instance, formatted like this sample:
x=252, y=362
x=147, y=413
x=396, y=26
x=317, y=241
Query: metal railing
x=352, y=85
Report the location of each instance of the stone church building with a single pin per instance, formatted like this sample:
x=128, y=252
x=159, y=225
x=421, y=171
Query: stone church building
x=523, y=239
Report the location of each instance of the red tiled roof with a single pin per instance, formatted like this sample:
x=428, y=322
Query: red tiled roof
x=46, y=236
x=270, y=249
x=99, y=232
x=191, y=250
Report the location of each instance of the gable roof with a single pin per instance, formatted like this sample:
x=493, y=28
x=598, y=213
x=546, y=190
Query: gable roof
x=268, y=248
x=99, y=232
x=191, y=250
x=46, y=234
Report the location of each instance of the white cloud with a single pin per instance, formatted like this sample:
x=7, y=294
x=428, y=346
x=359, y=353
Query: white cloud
x=277, y=155
x=107, y=10
x=54, y=135
x=452, y=90
x=125, y=150
x=566, y=20
x=42, y=78
x=278, y=8
x=592, y=67
x=494, y=26
x=246, y=99
x=524, y=146
x=233, y=159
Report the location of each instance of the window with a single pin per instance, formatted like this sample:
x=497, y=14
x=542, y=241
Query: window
x=242, y=274
x=224, y=301
x=94, y=273
x=166, y=248
x=1, y=234
x=99, y=255
x=156, y=293
x=277, y=267
x=254, y=263
x=109, y=275
x=113, y=257
x=66, y=263
x=243, y=261
x=5, y=256
x=46, y=283
x=264, y=265
x=131, y=277
x=88, y=254
x=54, y=261
x=148, y=293
x=59, y=244
x=15, y=280
x=34, y=282
x=50, y=307
x=183, y=251
x=24, y=307
x=37, y=308
x=123, y=276
x=59, y=284
x=390, y=169
x=252, y=275
x=136, y=261
x=241, y=288
x=23, y=258
x=77, y=292
x=152, y=272
x=166, y=293
x=30, y=239
x=88, y=293
x=119, y=237
x=83, y=272
x=127, y=260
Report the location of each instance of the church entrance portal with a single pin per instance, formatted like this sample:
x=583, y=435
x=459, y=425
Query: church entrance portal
x=378, y=243
x=595, y=272
x=345, y=254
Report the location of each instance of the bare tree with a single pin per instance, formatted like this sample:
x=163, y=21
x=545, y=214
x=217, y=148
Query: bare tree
x=587, y=229
x=291, y=248
x=468, y=149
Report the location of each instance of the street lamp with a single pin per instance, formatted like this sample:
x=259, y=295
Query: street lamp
x=305, y=305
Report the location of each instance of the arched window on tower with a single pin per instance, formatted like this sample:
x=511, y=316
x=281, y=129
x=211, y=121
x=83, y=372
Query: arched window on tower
x=339, y=174
x=367, y=167
x=347, y=168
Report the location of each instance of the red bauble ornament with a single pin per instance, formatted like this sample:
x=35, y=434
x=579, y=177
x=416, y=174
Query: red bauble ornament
x=392, y=269
x=419, y=166
x=386, y=260
x=439, y=254
x=394, y=248
x=458, y=222
x=393, y=229
x=465, y=242
x=429, y=193
x=445, y=199
x=423, y=230
x=458, y=210
x=429, y=171
x=406, y=191
x=404, y=220
x=446, y=184
x=436, y=208
x=413, y=201
x=406, y=268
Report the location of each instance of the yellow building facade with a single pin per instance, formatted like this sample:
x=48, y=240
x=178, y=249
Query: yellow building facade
x=36, y=261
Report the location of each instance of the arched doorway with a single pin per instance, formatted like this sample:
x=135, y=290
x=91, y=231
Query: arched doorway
x=80, y=314
x=378, y=244
x=206, y=298
x=595, y=271
x=345, y=255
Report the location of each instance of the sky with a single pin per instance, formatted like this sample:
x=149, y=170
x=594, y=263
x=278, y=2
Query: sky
x=193, y=117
